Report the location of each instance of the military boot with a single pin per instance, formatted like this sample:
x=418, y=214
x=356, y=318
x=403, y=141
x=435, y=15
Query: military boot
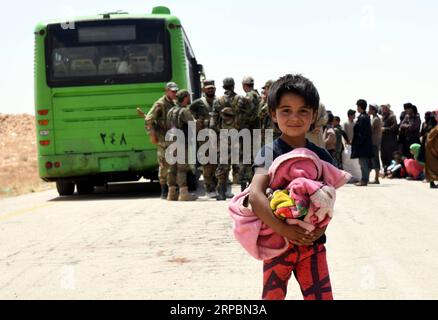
x=184, y=195
x=243, y=186
x=164, y=191
x=173, y=194
x=221, y=193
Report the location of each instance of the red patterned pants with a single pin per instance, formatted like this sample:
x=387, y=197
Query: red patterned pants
x=309, y=266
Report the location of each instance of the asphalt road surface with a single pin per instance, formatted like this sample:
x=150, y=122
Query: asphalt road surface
x=126, y=243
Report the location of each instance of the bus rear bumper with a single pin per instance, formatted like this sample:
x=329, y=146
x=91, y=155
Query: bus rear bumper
x=106, y=167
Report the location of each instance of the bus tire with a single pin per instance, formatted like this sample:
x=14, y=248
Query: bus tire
x=84, y=188
x=65, y=188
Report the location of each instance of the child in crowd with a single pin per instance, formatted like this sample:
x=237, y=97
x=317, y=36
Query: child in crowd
x=414, y=167
x=293, y=104
x=396, y=169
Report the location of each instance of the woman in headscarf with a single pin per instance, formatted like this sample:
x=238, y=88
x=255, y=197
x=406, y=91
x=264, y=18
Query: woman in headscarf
x=414, y=168
x=410, y=129
x=431, y=167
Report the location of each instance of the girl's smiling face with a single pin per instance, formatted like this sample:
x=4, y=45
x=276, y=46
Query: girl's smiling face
x=293, y=117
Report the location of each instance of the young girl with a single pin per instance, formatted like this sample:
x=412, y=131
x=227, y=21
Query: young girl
x=293, y=102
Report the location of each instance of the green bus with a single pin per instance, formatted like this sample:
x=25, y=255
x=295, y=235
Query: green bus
x=91, y=74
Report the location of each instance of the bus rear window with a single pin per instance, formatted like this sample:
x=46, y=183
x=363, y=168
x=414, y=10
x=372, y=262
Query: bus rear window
x=108, y=52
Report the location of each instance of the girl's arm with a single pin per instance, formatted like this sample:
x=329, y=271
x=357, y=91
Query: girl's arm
x=260, y=206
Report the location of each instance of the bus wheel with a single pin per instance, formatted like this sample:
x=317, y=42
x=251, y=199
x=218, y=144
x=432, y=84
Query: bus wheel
x=84, y=188
x=65, y=188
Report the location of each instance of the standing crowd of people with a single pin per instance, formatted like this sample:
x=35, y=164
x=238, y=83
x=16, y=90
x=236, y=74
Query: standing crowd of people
x=376, y=141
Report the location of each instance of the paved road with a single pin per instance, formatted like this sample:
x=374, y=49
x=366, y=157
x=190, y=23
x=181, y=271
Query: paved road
x=128, y=244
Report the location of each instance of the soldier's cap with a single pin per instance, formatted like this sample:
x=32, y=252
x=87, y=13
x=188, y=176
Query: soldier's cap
x=268, y=84
x=228, y=82
x=209, y=84
x=172, y=86
x=181, y=94
x=248, y=80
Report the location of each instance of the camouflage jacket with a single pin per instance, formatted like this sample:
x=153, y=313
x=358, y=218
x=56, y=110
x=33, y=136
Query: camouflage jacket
x=245, y=111
x=157, y=117
x=255, y=98
x=230, y=100
x=265, y=118
x=202, y=111
x=256, y=102
x=178, y=117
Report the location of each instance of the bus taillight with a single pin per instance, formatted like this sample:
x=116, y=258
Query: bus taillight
x=43, y=112
x=43, y=122
x=44, y=142
x=57, y=164
x=49, y=165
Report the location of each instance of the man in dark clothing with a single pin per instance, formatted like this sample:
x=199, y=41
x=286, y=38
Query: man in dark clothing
x=410, y=130
x=362, y=146
x=389, y=135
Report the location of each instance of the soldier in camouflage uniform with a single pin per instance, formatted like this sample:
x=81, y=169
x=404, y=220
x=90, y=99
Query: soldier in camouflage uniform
x=178, y=118
x=225, y=116
x=156, y=126
x=264, y=115
x=248, y=120
x=202, y=109
x=252, y=94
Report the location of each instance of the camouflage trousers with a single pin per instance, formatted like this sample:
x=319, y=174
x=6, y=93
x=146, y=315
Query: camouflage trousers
x=210, y=180
x=245, y=173
x=222, y=173
x=241, y=172
x=245, y=170
x=223, y=169
x=177, y=173
x=163, y=166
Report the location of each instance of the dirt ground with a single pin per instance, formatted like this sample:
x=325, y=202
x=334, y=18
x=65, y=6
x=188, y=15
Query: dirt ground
x=18, y=156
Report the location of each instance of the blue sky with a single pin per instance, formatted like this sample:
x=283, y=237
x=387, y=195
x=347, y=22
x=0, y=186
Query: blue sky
x=382, y=51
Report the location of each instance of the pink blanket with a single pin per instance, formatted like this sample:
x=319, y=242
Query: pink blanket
x=304, y=175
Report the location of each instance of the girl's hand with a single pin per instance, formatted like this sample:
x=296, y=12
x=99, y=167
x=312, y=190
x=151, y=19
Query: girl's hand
x=297, y=235
x=318, y=233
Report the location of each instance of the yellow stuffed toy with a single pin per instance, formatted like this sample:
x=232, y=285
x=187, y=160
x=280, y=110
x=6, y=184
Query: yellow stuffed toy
x=284, y=207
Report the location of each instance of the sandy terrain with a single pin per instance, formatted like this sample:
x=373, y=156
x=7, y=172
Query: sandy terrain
x=18, y=156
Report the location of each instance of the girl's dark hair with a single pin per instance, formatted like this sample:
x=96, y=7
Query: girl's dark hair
x=296, y=84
